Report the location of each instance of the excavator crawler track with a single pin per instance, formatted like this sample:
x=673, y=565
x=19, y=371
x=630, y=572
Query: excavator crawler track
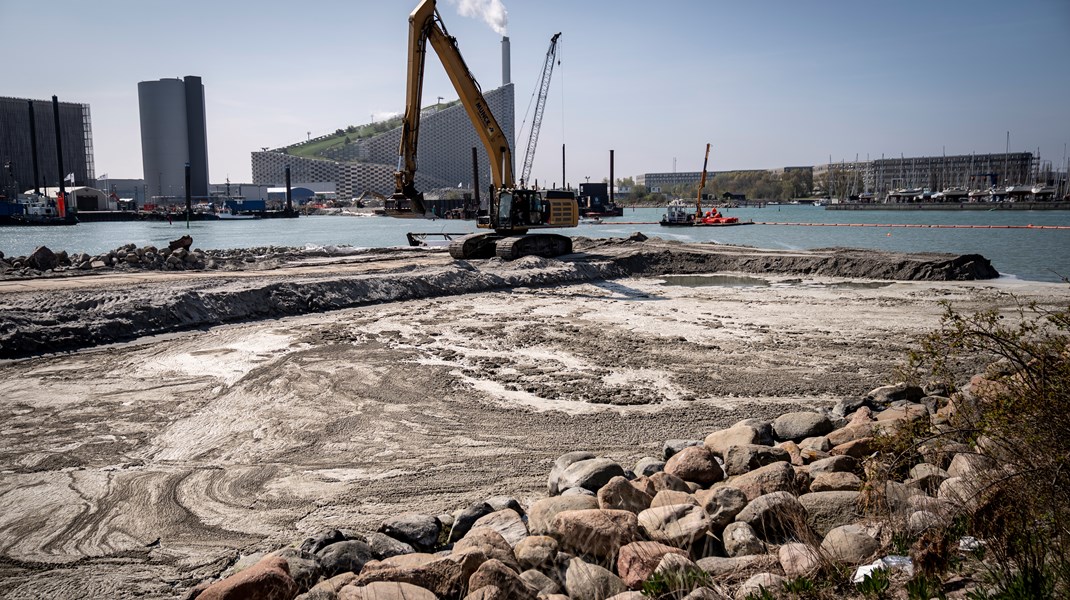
x=547, y=245
x=475, y=245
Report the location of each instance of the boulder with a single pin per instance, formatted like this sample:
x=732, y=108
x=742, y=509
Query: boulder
x=503, y=502
x=798, y=560
x=668, y=497
x=904, y=414
x=740, y=435
x=620, y=494
x=678, y=525
x=816, y=444
x=183, y=242
x=542, y=512
x=733, y=569
x=538, y=581
x=385, y=590
x=970, y=464
x=562, y=463
x=777, y=477
x=797, y=426
x=443, y=576
x=598, y=533
x=344, y=557
x=490, y=543
x=585, y=581
x=721, y=504
x=636, y=561
x=667, y=481
x=620, y=596
x=740, y=540
x=649, y=465
x=464, y=519
x=678, y=572
x=321, y=540
x=419, y=531
x=589, y=474
x=303, y=567
x=42, y=259
x=795, y=453
x=384, y=546
x=921, y=521
x=644, y=484
x=268, y=579
x=673, y=447
x=762, y=581
x=828, y=510
x=859, y=448
x=834, y=464
x=849, y=544
x=495, y=573
x=775, y=517
x=836, y=482
x=747, y=457
x=536, y=552
x=506, y=522
x=695, y=464
x=885, y=395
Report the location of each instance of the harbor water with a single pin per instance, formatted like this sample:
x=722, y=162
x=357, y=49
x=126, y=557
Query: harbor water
x=1034, y=254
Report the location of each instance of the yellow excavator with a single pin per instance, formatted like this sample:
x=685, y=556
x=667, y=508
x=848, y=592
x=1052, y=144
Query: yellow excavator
x=512, y=211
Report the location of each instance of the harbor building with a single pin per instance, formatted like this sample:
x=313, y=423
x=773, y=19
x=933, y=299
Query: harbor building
x=368, y=164
x=16, y=145
x=173, y=134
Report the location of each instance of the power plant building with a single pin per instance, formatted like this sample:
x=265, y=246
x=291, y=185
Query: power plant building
x=16, y=146
x=173, y=134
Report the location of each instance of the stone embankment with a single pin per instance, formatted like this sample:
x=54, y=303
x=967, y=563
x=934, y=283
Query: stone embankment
x=292, y=281
x=753, y=506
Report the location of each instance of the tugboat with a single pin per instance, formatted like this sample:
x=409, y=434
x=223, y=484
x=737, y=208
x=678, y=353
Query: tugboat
x=679, y=213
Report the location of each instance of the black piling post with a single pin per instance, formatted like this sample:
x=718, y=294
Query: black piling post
x=289, y=197
x=475, y=180
x=611, y=180
x=59, y=155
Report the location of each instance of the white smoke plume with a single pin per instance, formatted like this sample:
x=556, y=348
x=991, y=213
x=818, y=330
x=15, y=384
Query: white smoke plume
x=491, y=11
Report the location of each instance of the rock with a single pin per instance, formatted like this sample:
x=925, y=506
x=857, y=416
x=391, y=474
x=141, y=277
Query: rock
x=703, y=593
x=695, y=464
x=927, y=477
x=328, y=588
x=539, y=582
x=816, y=444
x=836, y=482
x=323, y=539
x=747, y=457
x=740, y=540
x=764, y=429
x=775, y=517
x=445, y=577
x=777, y=477
x=620, y=494
x=921, y=521
x=344, y=557
x=42, y=259
x=827, y=510
x=419, y=531
x=797, y=426
x=740, y=435
x=678, y=525
x=668, y=481
x=620, y=596
x=495, y=573
x=536, y=552
x=304, y=568
x=961, y=492
x=729, y=569
x=849, y=544
x=578, y=491
x=503, y=502
x=464, y=519
x=798, y=560
x=669, y=497
x=268, y=579
x=721, y=504
x=589, y=474
x=859, y=448
x=940, y=452
x=906, y=413
x=97, y=264
x=385, y=590
x=852, y=432
x=491, y=544
x=795, y=454
x=649, y=465
x=384, y=546
x=183, y=242
x=969, y=464
x=562, y=463
x=678, y=572
x=885, y=395
x=762, y=581
x=644, y=484
x=598, y=533
x=834, y=464
x=584, y=581
x=673, y=447
x=542, y=512
x=636, y=561
x=506, y=522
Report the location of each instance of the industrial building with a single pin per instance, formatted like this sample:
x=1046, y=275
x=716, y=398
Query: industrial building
x=368, y=164
x=662, y=182
x=17, y=144
x=173, y=134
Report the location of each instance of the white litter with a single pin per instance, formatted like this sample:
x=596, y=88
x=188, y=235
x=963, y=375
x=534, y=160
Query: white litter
x=888, y=563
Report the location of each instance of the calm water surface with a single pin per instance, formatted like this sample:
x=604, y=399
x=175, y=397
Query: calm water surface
x=1034, y=254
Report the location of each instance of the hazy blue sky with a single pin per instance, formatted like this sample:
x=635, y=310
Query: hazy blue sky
x=768, y=83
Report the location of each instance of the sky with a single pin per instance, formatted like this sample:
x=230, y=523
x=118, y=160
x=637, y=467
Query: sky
x=769, y=83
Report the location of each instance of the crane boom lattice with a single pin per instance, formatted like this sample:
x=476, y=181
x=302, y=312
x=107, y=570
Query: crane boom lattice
x=540, y=104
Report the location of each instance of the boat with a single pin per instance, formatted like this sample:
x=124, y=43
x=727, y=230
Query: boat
x=228, y=215
x=679, y=213
x=36, y=209
x=714, y=218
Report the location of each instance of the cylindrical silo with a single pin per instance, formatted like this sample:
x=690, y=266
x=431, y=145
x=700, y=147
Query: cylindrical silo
x=164, y=136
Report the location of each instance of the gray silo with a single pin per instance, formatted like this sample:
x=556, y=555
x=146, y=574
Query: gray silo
x=173, y=133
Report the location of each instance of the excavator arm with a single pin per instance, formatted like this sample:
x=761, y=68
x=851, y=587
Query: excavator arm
x=425, y=25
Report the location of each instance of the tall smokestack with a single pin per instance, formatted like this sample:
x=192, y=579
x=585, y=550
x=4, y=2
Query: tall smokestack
x=506, y=76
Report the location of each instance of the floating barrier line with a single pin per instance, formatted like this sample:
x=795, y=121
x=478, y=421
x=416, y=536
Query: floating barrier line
x=912, y=225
